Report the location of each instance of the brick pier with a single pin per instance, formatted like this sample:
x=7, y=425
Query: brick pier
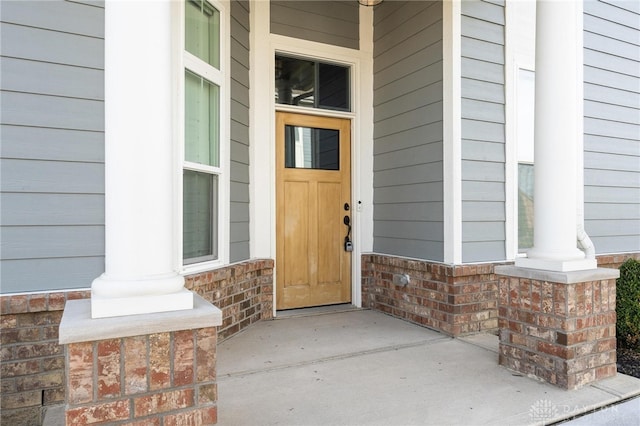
x=151, y=369
x=558, y=326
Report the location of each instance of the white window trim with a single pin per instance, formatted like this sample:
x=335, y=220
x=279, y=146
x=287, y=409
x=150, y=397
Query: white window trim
x=515, y=59
x=222, y=78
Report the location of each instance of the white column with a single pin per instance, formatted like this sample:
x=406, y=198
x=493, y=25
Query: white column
x=140, y=254
x=558, y=124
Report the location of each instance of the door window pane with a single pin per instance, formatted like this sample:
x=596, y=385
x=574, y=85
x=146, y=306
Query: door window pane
x=202, y=104
x=202, y=31
x=199, y=216
x=311, y=84
x=311, y=148
x=333, y=87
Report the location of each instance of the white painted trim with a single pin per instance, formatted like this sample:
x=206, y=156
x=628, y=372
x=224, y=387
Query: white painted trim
x=261, y=125
x=362, y=155
x=579, y=52
x=452, y=131
x=224, y=197
x=511, y=154
x=264, y=48
x=516, y=58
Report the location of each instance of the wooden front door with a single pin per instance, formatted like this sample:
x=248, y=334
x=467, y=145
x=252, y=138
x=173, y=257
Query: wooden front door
x=313, y=194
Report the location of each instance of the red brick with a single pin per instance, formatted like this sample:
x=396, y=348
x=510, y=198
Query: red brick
x=555, y=350
x=18, y=304
x=54, y=363
x=183, y=349
x=205, y=354
x=607, y=345
x=53, y=396
x=536, y=296
x=207, y=394
x=56, y=301
x=40, y=318
x=20, y=368
x=108, y=380
x=154, y=421
x=75, y=295
x=20, y=400
x=8, y=321
x=98, y=413
x=37, y=302
x=577, y=337
x=80, y=378
x=33, y=350
x=38, y=381
x=162, y=402
x=585, y=322
x=7, y=385
x=201, y=416
x=159, y=361
x=50, y=332
x=605, y=371
x=135, y=365
x=9, y=336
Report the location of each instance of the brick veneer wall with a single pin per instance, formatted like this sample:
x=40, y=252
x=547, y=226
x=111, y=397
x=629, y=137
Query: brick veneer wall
x=32, y=362
x=456, y=300
x=158, y=379
x=563, y=333
x=614, y=261
x=244, y=293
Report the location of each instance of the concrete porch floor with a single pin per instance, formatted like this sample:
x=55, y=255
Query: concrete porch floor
x=359, y=367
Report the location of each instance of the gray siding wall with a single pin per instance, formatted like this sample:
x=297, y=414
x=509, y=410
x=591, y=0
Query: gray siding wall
x=612, y=124
x=331, y=22
x=408, y=150
x=239, y=236
x=483, y=131
x=52, y=145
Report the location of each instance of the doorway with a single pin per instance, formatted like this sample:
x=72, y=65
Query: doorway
x=313, y=210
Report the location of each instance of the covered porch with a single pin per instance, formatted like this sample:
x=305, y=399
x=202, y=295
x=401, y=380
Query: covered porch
x=350, y=366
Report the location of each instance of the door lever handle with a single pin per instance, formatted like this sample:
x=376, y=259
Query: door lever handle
x=348, y=246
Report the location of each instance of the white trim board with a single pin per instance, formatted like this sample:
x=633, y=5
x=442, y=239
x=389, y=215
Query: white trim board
x=452, y=131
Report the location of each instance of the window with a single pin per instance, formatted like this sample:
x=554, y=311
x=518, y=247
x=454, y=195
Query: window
x=525, y=128
x=311, y=84
x=202, y=170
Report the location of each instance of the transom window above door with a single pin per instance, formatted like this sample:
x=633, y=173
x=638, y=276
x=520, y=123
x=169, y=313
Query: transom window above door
x=311, y=84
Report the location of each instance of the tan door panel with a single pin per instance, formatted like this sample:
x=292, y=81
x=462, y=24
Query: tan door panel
x=312, y=187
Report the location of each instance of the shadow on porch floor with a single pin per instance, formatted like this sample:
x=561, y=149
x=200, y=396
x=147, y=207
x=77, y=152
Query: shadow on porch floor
x=359, y=367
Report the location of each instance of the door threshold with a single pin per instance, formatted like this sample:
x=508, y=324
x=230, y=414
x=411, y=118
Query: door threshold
x=316, y=310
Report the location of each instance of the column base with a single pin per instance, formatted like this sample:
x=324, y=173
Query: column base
x=106, y=307
x=557, y=265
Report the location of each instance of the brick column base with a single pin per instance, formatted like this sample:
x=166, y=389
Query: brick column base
x=165, y=375
x=558, y=326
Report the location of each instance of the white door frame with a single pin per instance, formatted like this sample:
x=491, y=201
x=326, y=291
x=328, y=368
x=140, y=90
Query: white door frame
x=262, y=132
